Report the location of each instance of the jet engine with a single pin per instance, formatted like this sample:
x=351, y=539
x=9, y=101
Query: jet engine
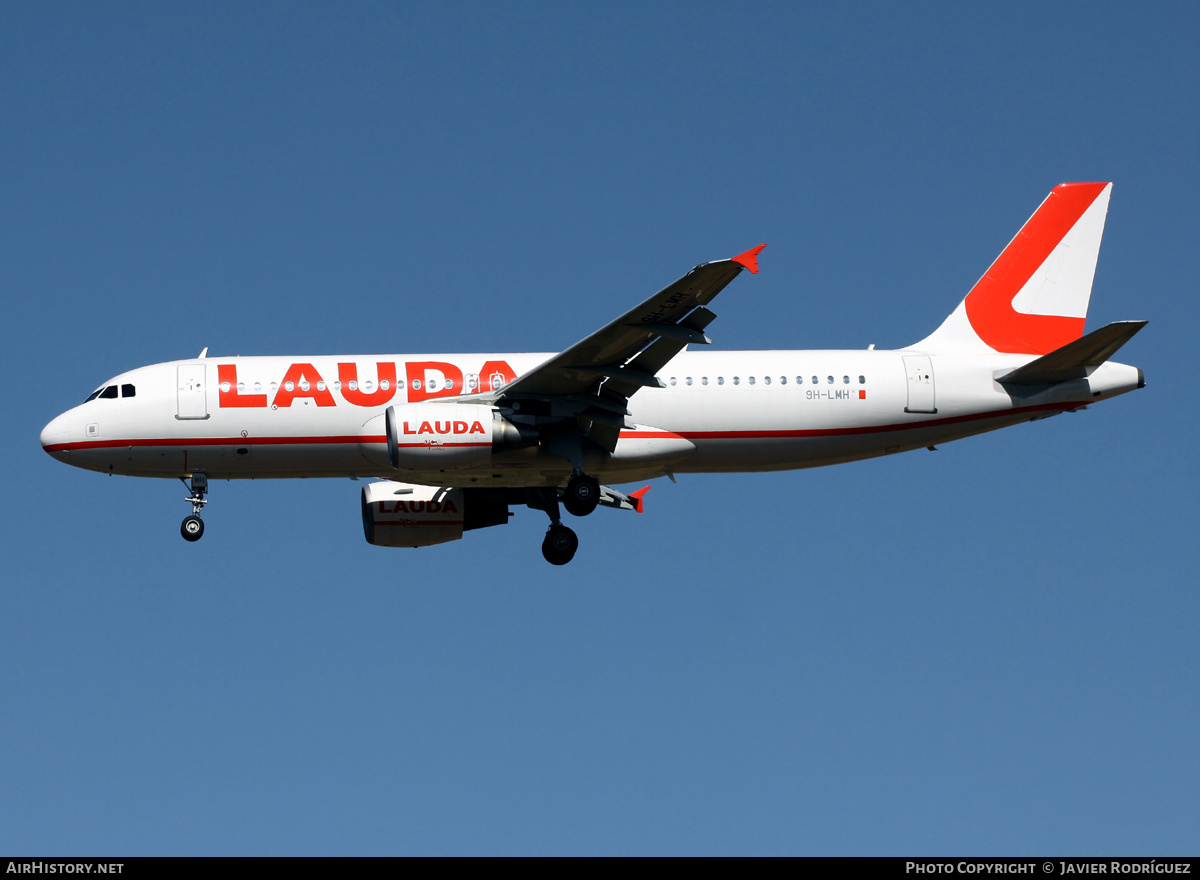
x=424, y=436
x=406, y=515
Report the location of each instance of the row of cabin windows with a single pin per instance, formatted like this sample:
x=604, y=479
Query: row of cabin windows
x=471, y=383
x=109, y=392
x=766, y=380
x=303, y=385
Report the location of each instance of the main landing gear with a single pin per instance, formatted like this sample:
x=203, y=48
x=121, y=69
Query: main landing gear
x=192, y=528
x=582, y=495
x=580, y=498
x=560, y=543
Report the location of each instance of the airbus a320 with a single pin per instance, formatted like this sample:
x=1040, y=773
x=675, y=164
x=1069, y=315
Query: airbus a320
x=453, y=441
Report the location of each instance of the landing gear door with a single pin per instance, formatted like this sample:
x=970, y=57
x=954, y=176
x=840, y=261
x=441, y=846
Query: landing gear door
x=192, y=393
x=919, y=369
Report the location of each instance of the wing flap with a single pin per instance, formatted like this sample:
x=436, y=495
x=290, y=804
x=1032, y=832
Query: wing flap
x=611, y=497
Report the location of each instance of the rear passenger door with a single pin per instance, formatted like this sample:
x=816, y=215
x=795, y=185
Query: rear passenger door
x=921, y=398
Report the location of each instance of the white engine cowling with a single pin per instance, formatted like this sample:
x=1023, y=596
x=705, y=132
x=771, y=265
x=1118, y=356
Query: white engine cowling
x=406, y=515
x=422, y=436
x=442, y=436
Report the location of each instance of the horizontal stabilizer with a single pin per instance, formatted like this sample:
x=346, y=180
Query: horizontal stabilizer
x=1075, y=360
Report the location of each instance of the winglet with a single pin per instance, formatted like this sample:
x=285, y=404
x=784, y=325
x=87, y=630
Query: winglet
x=637, y=497
x=750, y=259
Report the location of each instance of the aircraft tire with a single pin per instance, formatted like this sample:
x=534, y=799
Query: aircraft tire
x=559, y=545
x=192, y=528
x=582, y=495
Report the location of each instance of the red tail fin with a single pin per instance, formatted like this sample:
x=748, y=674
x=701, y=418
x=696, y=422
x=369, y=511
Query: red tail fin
x=1034, y=297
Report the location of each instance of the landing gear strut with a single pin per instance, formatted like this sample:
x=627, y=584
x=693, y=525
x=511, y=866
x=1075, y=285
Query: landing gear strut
x=192, y=528
x=560, y=543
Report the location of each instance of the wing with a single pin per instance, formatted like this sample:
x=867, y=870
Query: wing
x=593, y=380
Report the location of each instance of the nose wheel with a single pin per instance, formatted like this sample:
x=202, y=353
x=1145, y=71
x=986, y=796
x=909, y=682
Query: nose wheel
x=192, y=527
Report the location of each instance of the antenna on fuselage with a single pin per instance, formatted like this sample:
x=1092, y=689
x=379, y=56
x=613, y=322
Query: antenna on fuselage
x=203, y=352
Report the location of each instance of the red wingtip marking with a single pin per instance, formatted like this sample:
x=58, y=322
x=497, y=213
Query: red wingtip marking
x=637, y=496
x=750, y=259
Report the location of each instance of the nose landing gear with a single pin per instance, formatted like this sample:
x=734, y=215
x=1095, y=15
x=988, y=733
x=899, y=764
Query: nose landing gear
x=192, y=528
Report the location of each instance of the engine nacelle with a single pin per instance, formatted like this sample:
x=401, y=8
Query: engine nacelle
x=442, y=436
x=407, y=515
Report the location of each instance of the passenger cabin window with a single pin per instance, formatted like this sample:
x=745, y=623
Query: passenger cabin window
x=109, y=393
x=862, y=380
x=128, y=391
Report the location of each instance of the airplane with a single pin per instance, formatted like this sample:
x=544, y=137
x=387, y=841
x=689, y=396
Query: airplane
x=452, y=441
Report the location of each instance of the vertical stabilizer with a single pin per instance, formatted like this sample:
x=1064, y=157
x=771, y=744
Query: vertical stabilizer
x=1034, y=298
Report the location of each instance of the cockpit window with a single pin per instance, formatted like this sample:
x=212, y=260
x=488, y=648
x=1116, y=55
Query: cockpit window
x=128, y=391
x=93, y=395
x=109, y=392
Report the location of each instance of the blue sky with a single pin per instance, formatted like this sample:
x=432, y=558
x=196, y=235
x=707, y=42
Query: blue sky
x=991, y=649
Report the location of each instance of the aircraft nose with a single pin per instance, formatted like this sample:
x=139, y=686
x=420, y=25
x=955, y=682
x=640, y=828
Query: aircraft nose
x=54, y=433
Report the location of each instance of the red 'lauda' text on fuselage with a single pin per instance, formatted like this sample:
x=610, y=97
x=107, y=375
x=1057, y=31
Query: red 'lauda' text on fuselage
x=425, y=380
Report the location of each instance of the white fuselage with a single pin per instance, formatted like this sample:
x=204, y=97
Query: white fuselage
x=233, y=418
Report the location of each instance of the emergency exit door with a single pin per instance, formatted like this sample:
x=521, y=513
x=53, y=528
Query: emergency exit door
x=192, y=395
x=919, y=369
